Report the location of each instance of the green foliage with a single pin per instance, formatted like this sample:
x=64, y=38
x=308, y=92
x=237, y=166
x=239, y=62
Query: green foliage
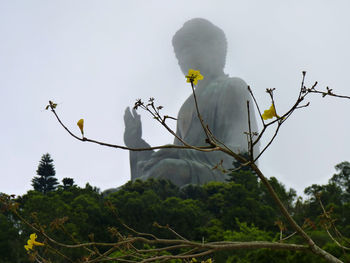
x=247, y=233
x=272, y=256
x=67, y=214
x=162, y=188
x=240, y=210
x=342, y=179
x=335, y=198
x=46, y=181
x=157, y=201
x=9, y=237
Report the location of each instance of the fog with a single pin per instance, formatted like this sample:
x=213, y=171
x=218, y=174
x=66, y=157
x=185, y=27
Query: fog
x=94, y=58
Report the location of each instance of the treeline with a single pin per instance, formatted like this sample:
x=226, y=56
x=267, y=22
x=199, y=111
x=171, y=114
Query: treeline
x=239, y=210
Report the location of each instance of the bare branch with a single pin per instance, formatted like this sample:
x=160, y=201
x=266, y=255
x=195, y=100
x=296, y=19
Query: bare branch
x=256, y=104
x=329, y=219
x=200, y=116
x=269, y=143
x=329, y=92
x=170, y=229
x=250, y=141
x=314, y=248
x=167, y=146
x=201, y=249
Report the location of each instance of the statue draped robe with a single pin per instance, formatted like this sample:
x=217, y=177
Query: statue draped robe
x=226, y=117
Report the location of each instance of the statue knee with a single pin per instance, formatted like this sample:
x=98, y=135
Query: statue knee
x=175, y=170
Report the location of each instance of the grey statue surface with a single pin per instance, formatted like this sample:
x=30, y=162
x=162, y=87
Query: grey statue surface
x=222, y=101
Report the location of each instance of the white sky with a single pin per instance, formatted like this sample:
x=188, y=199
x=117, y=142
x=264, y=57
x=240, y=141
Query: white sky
x=96, y=57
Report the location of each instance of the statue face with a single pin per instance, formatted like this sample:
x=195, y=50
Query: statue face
x=200, y=45
x=201, y=57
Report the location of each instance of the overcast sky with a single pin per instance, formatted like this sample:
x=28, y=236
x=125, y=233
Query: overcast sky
x=94, y=58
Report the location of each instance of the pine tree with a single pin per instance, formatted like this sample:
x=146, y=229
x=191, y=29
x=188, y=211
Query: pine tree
x=46, y=181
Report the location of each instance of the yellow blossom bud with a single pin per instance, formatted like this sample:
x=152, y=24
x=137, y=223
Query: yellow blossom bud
x=80, y=124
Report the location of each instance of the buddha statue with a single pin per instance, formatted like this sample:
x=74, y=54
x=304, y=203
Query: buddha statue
x=222, y=102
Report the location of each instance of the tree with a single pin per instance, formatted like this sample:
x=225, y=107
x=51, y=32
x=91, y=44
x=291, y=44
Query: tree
x=67, y=182
x=10, y=243
x=342, y=179
x=46, y=181
x=196, y=249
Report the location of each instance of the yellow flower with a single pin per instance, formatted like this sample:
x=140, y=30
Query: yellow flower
x=80, y=124
x=270, y=113
x=31, y=242
x=193, y=76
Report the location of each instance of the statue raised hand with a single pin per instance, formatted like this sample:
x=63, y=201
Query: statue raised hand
x=133, y=139
x=133, y=129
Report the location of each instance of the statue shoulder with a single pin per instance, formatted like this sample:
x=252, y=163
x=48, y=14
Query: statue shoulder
x=237, y=83
x=235, y=87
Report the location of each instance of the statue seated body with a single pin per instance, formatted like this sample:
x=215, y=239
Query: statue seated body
x=222, y=102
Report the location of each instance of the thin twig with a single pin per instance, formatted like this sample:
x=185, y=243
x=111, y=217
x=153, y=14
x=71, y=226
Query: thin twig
x=314, y=248
x=332, y=224
x=250, y=142
x=269, y=143
x=171, y=230
x=256, y=104
x=167, y=146
x=199, y=115
x=329, y=94
x=287, y=237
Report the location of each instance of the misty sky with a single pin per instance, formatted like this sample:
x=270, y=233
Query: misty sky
x=94, y=58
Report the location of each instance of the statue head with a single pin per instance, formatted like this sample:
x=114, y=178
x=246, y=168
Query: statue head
x=200, y=45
